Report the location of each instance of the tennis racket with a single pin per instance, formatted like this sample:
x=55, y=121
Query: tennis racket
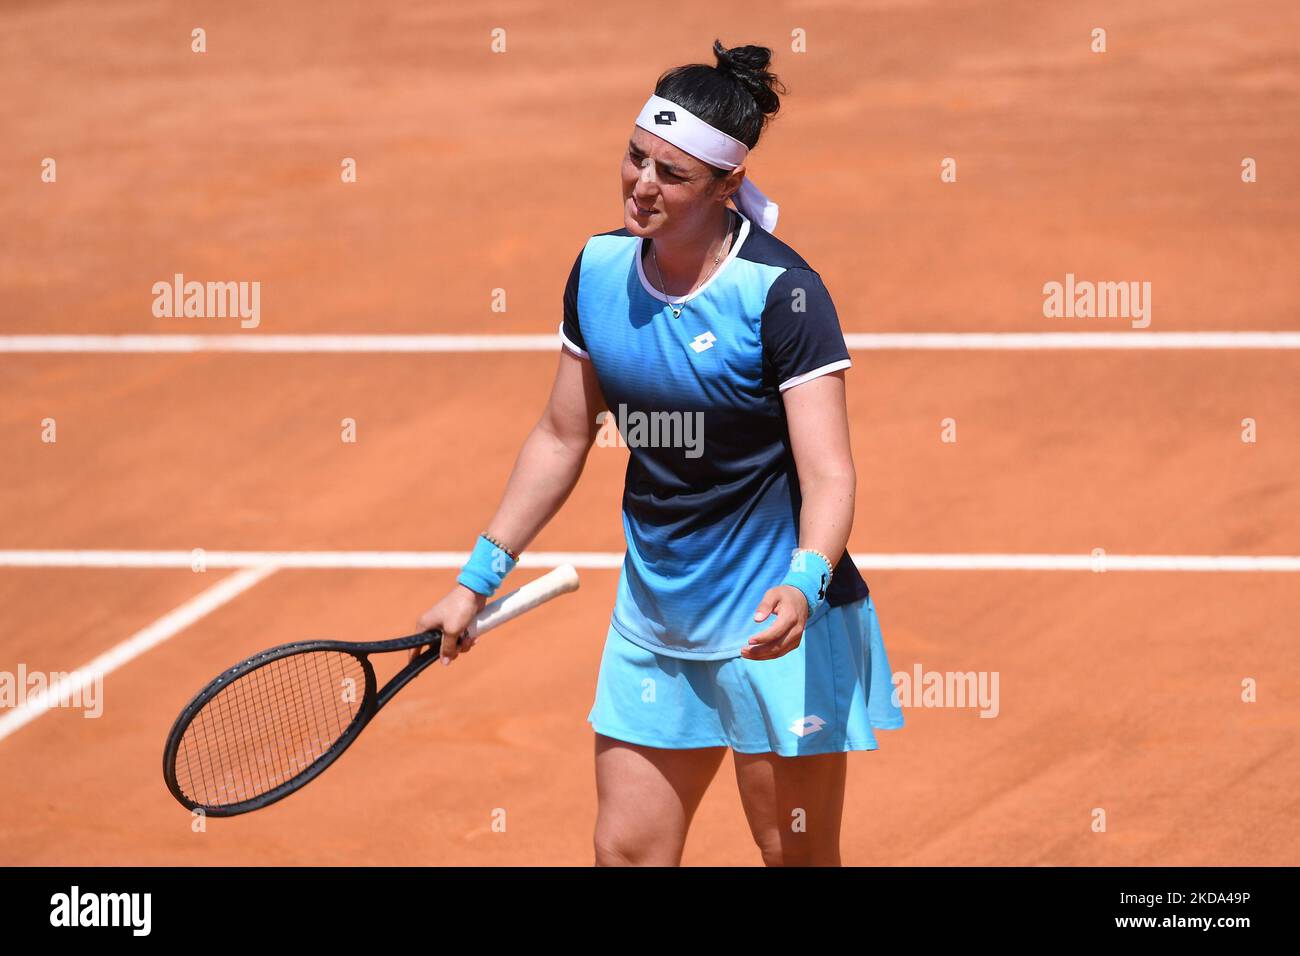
x=272, y=723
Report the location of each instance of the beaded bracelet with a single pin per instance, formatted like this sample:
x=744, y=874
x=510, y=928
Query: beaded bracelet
x=487, y=567
x=501, y=546
x=819, y=554
x=812, y=583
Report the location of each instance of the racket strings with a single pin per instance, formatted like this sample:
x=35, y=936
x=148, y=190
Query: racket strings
x=268, y=726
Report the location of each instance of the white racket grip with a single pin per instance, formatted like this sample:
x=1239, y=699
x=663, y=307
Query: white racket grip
x=550, y=585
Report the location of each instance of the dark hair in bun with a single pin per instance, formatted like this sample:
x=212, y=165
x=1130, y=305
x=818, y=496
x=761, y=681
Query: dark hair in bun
x=736, y=96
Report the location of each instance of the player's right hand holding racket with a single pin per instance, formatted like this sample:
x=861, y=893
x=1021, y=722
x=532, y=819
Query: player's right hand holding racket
x=452, y=615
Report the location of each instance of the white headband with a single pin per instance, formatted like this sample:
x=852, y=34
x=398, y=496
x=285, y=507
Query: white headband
x=708, y=144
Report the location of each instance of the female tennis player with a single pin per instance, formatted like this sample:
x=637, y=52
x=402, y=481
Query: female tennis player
x=740, y=622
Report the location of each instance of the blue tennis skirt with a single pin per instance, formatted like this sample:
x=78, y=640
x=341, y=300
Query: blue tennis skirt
x=827, y=695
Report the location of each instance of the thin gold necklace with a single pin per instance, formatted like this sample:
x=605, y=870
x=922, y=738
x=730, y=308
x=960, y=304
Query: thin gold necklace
x=677, y=309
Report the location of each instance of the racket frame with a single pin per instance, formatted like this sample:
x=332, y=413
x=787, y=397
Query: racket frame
x=372, y=701
x=560, y=580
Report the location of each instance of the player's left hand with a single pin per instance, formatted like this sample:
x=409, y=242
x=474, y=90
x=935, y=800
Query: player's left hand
x=791, y=610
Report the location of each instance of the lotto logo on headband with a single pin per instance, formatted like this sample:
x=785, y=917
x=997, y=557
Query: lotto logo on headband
x=665, y=118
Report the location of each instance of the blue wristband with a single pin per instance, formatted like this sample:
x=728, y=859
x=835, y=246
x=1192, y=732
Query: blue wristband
x=486, y=568
x=810, y=573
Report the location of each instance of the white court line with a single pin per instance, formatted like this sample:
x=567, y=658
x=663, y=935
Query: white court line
x=1030, y=341
x=597, y=560
x=941, y=341
x=160, y=630
x=279, y=343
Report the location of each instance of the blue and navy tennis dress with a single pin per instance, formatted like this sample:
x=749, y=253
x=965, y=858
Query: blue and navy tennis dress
x=711, y=505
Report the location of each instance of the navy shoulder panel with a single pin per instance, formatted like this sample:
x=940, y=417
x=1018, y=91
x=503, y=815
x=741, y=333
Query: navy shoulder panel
x=764, y=248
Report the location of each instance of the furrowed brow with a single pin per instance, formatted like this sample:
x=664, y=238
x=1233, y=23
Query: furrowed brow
x=675, y=170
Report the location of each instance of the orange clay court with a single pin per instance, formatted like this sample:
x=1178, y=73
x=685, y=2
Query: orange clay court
x=1119, y=691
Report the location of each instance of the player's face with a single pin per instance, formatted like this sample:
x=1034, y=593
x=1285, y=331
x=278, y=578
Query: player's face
x=666, y=192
